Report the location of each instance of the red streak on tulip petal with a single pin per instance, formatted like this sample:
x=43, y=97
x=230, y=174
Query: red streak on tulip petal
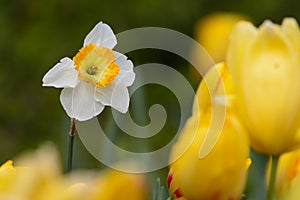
x=216, y=195
x=169, y=180
x=295, y=165
x=178, y=194
x=220, y=79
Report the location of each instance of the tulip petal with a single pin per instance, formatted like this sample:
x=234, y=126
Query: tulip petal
x=216, y=83
x=291, y=29
x=79, y=102
x=126, y=74
x=62, y=75
x=102, y=36
x=270, y=38
x=115, y=95
x=240, y=38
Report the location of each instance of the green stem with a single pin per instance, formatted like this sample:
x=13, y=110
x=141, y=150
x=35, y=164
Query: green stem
x=272, y=181
x=70, y=145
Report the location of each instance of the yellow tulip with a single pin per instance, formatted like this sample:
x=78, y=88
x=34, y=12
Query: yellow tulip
x=287, y=172
x=114, y=184
x=212, y=32
x=217, y=83
x=221, y=174
x=41, y=178
x=264, y=64
x=293, y=192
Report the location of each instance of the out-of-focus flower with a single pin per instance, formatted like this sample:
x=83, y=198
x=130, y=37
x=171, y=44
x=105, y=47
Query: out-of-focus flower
x=264, y=65
x=7, y=174
x=41, y=178
x=222, y=173
x=216, y=86
x=96, y=77
x=119, y=185
x=219, y=175
x=293, y=191
x=212, y=32
x=287, y=172
x=215, y=89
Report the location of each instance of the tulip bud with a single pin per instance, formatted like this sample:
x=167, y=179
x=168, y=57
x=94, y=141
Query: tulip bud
x=293, y=192
x=264, y=65
x=221, y=174
x=212, y=32
x=288, y=172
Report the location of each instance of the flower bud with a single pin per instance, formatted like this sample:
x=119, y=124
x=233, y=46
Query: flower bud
x=221, y=174
x=288, y=171
x=264, y=65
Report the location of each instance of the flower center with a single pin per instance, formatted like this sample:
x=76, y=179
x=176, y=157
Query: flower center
x=96, y=65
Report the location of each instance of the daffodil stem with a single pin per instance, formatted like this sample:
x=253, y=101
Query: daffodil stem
x=272, y=180
x=70, y=145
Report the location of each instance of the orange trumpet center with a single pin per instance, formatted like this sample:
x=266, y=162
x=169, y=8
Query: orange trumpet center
x=96, y=65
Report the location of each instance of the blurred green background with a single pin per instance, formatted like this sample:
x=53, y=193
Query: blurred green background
x=35, y=35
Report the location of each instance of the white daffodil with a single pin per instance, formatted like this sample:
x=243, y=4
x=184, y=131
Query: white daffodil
x=96, y=77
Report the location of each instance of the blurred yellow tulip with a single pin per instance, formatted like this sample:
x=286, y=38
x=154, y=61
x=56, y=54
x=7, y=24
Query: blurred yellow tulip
x=215, y=86
x=221, y=174
x=212, y=32
x=114, y=184
x=264, y=65
x=287, y=172
x=293, y=193
x=41, y=178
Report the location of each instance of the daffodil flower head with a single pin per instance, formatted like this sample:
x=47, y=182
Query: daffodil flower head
x=96, y=77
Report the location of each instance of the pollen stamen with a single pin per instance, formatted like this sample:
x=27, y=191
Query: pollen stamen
x=92, y=70
x=96, y=65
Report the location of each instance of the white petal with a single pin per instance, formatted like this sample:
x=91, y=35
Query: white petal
x=102, y=36
x=63, y=74
x=79, y=102
x=126, y=74
x=115, y=95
